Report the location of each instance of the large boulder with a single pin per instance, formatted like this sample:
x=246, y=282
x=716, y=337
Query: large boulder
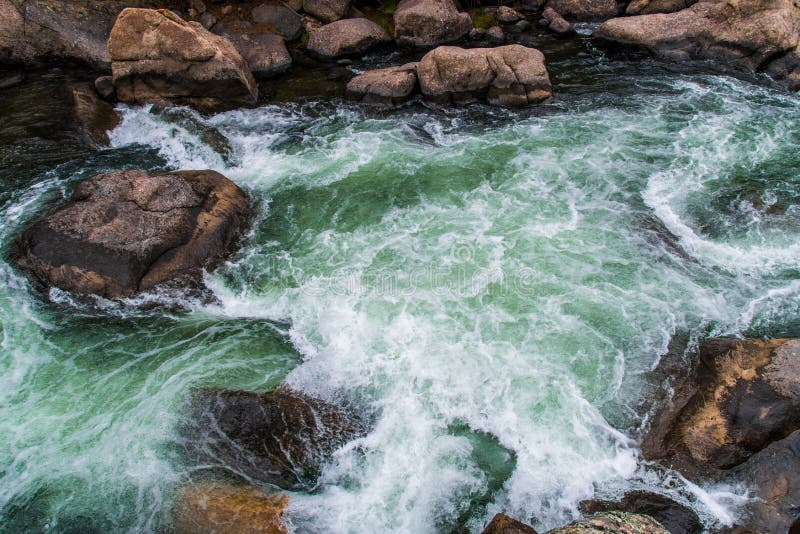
x=346, y=37
x=585, y=10
x=429, y=22
x=616, y=522
x=761, y=35
x=387, y=87
x=743, y=395
x=675, y=517
x=224, y=508
x=129, y=231
x=158, y=56
x=280, y=18
x=512, y=75
x=503, y=524
x=327, y=10
x=280, y=438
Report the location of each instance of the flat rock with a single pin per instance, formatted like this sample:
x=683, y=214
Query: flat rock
x=346, y=37
x=512, y=75
x=327, y=10
x=585, y=10
x=387, y=87
x=429, y=22
x=280, y=438
x=281, y=18
x=158, y=56
x=129, y=231
x=224, y=508
x=616, y=522
x=503, y=524
x=761, y=35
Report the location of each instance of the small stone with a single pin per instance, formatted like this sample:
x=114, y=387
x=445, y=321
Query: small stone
x=506, y=15
x=503, y=524
x=104, y=85
x=208, y=20
x=495, y=35
x=281, y=18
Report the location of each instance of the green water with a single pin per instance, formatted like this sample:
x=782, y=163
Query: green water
x=492, y=287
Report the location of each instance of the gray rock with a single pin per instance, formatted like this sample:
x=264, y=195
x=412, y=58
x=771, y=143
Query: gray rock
x=387, y=87
x=208, y=20
x=495, y=35
x=429, y=22
x=585, y=10
x=265, y=53
x=282, y=19
x=104, y=85
x=326, y=10
x=556, y=23
x=346, y=37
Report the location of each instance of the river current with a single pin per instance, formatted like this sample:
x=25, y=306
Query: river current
x=493, y=288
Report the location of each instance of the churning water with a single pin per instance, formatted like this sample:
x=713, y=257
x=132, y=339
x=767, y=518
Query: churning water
x=494, y=288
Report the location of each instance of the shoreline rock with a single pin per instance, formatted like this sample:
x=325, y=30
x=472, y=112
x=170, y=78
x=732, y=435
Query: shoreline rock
x=424, y=23
x=346, y=37
x=389, y=87
x=129, y=231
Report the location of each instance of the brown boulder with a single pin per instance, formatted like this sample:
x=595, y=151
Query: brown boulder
x=387, y=87
x=512, y=75
x=346, y=37
x=280, y=438
x=585, y=10
x=129, y=231
x=280, y=18
x=96, y=116
x=158, y=56
x=556, y=23
x=265, y=53
x=327, y=10
x=429, y=22
x=742, y=396
x=616, y=522
x=228, y=509
x=675, y=517
x=760, y=35
x=503, y=524
x=648, y=7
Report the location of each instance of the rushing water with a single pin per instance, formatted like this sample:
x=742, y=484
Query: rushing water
x=493, y=287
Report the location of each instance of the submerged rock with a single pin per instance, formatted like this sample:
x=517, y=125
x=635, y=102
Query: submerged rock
x=346, y=37
x=616, y=522
x=158, y=56
x=228, y=509
x=512, y=75
x=429, y=22
x=585, y=10
x=761, y=35
x=744, y=395
x=96, y=116
x=675, y=517
x=281, y=437
x=128, y=231
x=387, y=87
x=503, y=524
x=188, y=120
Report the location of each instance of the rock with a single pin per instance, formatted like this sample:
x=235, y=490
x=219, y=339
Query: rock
x=675, y=517
x=585, y=10
x=186, y=119
x=9, y=80
x=502, y=524
x=265, y=53
x=326, y=10
x=157, y=56
x=477, y=34
x=225, y=508
x=104, y=86
x=532, y=6
x=429, y=22
x=310, y=23
x=96, y=116
x=520, y=27
x=296, y=5
x=198, y=6
x=384, y=87
x=506, y=15
x=346, y=37
x=556, y=23
x=280, y=438
x=761, y=35
x=616, y=522
x=744, y=395
x=511, y=75
x=495, y=35
x=648, y=7
x=281, y=18
x=208, y=20
x=129, y=231
x=774, y=475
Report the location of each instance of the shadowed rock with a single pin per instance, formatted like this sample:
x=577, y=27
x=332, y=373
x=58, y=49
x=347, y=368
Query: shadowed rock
x=265, y=53
x=585, y=10
x=96, y=116
x=280, y=18
x=502, y=524
x=158, y=56
x=429, y=22
x=387, y=87
x=224, y=508
x=761, y=35
x=556, y=23
x=511, y=75
x=649, y=7
x=346, y=37
x=616, y=522
x=327, y=10
x=675, y=517
x=129, y=231
x=281, y=437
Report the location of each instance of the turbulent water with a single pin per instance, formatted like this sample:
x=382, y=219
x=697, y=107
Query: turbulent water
x=492, y=287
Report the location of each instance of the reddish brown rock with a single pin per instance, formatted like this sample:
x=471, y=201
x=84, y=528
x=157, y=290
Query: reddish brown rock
x=556, y=23
x=585, y=10
x=613, y=522
x=429, y=22
x=346, y=37
x=503, y=524
x=675, y=517
x=96, y=116
x=327, y=10
x=387, y=87
x=130, y=231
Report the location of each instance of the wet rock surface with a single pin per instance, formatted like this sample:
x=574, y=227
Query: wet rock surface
x=129, y=231
x=387, y=87
x=675, y=517
x=616, y=522
x=96, y=116
x=503, y=524
x=158, y=56
x=511, y=75
x=280, y=438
